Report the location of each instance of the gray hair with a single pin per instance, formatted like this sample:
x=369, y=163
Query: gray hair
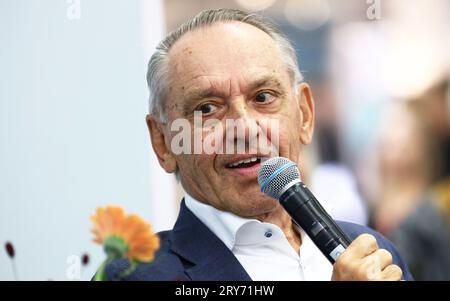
x=158, y=65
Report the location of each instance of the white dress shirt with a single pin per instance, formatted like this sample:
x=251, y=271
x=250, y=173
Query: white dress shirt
x=262, y=248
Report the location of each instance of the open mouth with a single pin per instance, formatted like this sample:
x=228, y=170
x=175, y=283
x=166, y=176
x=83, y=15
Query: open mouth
x=246, y=163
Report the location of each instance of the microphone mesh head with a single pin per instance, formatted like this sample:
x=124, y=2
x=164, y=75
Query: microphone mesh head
x=286, y=173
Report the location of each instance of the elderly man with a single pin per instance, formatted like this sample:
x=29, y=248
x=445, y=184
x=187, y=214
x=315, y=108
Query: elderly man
x=227, y=64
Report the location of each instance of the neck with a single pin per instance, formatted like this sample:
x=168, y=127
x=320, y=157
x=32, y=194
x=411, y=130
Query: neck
x=282, y=219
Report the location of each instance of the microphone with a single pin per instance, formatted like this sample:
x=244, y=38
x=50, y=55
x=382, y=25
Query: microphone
x=279, y=178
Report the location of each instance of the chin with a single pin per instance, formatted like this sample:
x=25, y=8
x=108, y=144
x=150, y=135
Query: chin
x=256, y=207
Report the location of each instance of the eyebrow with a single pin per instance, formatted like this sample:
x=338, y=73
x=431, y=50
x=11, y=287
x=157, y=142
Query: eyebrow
x=199, y=94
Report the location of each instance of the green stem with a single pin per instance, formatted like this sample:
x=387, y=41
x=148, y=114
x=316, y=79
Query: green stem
x=130, y=270
x=100, y=275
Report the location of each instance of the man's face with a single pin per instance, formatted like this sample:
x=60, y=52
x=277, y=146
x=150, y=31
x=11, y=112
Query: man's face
x=233, y=71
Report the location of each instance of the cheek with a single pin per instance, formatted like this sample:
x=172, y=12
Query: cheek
x=204, y=165
x=286, y=140
x=289, y=130
x=289, y=138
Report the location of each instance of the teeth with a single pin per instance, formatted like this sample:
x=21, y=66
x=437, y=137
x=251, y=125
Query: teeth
x=252, y=159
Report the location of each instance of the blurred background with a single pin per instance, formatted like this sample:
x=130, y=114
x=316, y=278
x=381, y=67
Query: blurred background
x=73, y=100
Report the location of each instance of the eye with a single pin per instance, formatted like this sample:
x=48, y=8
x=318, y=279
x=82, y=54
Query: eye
x=264, y=97
x=207, y=108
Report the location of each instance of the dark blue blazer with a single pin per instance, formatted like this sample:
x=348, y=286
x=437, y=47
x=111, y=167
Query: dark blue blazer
x=190, y=251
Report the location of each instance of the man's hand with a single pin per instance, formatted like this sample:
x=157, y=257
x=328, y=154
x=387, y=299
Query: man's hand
x=363, y=260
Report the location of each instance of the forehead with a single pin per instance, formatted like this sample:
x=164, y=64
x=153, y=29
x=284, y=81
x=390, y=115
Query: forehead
x=233, y=52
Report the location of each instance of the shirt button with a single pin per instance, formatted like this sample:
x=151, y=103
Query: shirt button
x=268, y=234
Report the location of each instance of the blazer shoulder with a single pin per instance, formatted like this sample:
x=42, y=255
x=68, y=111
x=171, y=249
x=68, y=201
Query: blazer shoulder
x=354, y=230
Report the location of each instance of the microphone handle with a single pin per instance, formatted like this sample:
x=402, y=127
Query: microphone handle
x=306, y=211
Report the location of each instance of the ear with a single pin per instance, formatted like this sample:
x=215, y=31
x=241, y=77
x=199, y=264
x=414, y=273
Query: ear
x=157, y=136
x=306, y=105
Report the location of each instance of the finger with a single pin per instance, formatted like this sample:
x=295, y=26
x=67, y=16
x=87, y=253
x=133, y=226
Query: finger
x=392, y=273
x=362, y=246
x=375, y=263
x=381, y=258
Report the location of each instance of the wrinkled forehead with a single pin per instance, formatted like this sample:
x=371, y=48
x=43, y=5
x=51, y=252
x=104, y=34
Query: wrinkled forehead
x=225, y=50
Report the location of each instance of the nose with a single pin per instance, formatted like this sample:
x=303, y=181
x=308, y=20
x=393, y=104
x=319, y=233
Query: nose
x=241, y=126
x=238, y=109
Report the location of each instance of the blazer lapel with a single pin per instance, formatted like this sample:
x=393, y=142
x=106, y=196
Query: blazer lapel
x=211, y=259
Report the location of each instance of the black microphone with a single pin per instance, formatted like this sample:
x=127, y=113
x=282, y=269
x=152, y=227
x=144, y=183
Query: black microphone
x=279, y=178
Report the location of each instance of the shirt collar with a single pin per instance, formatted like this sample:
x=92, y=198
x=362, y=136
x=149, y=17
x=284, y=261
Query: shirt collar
x=225, y=225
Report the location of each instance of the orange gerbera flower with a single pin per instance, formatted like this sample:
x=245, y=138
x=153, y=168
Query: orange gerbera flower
x=124, y=235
